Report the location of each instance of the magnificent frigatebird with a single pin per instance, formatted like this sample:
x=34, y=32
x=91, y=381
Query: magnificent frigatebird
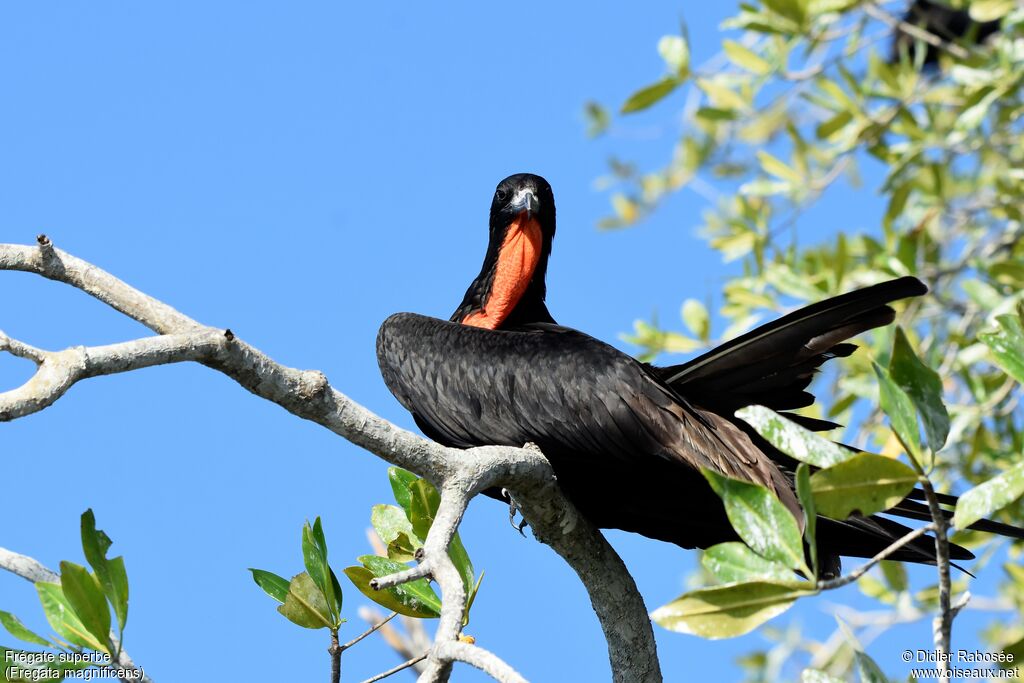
x=627, y=439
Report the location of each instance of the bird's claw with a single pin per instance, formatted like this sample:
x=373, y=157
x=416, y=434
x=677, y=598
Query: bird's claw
x=513, y=508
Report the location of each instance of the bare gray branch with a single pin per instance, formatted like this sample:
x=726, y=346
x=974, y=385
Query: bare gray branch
x=458, y=474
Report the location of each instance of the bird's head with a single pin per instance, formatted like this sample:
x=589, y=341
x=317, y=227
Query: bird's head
x=523, y=202
x=510, y=288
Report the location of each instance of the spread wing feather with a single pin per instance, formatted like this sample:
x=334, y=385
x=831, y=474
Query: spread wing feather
x=773, y=364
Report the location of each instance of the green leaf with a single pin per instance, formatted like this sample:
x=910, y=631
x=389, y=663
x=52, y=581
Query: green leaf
x=1007, y=345
x=897, y=202
x=314, y=557
x=676, y=53
x=110, y=572
x=62, y=617
x=760, y=519
x=413, y=599
x=696, y=317
x=390, y=522
x=626, y=209
x=895, y=575
x=761, y=22
x=990, y=10
x=778, y=168
x=792, y=439
x=305, y=604
x=763, y=187
x=794, y=10
x=989, y=496
x=867, y=668
x=403, y=548
x=745, y=58
x=420, y=593
x=400, y=481
x=85, y=596
x=337, y=596
x=977, y=107
x=333, y=592
x=806, y=498
x=714, y=114
x=733, y=561
x=597, y=118
x=95, y=543
x=460, y=558
x=115, y=587
x=865, y=484
x=20, y=631
x=835, y=124
x=423, y=506
x=900, y=409
x=424, y=501
x=982, y=293
x=319, y=538
x=730, y=610
x=273, y=585
x=923, y=386
x=722, y=96
x=650, y=95
x=472, y=598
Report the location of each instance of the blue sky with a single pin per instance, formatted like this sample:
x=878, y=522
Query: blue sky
x=298, y=175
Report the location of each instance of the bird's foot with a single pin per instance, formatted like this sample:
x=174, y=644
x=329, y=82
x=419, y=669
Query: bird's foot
x=513, y=508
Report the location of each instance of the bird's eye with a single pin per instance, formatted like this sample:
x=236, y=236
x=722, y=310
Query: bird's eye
x=501, y=195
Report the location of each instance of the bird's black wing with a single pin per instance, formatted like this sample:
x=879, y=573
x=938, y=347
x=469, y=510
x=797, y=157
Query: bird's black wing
x=772, y=365
x=574, y=396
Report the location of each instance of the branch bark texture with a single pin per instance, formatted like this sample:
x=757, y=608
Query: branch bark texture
x=459, y=475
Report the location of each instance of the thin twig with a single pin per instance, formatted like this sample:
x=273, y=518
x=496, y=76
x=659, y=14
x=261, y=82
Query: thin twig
x=407, y=644
x=915, y=31
x=863, y=569
x=400, y=667
x=21, y=349
x=943, y=624
x=369, y=631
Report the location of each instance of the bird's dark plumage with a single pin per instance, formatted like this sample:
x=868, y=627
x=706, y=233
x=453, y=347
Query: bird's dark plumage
x=626, y=439
x=950, y=24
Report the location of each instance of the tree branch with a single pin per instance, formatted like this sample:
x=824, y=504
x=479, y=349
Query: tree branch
x=860, y=571
x=405, y=646
x=915, y=31
x=942, y=626
x=458, y=474
x=412, y=662
x=370, y=631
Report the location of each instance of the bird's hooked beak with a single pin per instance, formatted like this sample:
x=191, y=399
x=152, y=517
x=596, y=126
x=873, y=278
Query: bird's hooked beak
x=526, y=202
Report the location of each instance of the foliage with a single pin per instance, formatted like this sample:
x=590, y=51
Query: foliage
x=805, y=103
x=403, y=529
x=313, y=598
x=78, y=609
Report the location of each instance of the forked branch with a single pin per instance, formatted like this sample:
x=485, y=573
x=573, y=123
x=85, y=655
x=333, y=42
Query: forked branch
x=459, y=475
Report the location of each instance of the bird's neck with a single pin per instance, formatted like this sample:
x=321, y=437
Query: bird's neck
x=531, y=307
x=487, y=302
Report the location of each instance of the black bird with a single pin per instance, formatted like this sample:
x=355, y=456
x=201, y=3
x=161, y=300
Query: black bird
x=627, y=439
x=948, y=23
